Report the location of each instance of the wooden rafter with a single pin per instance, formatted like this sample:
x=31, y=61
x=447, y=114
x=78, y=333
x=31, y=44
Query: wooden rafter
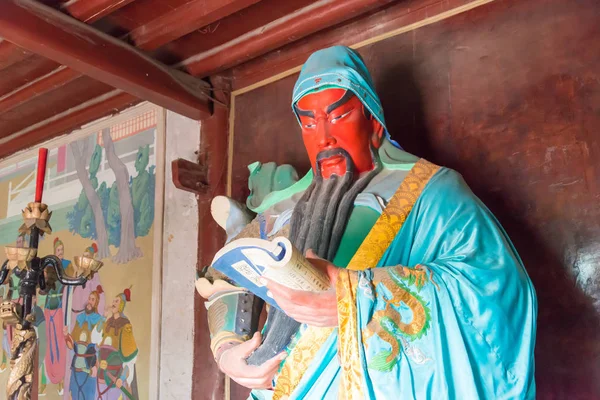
x=67, y=121
x=60, y=77
x=315, y=17
x=47, y=32
x=228, y=28
x=11, y=54
x=182, y=20
x=89, y=11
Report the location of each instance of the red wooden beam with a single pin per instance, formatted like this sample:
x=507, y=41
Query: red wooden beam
x=303, y=22
x=50, y=33
x=182, y=20
x=88, y=11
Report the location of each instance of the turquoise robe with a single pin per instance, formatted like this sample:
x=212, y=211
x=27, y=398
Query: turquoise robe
x=476, y=307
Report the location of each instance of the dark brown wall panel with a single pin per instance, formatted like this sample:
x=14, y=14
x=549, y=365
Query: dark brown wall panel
x=508, y=94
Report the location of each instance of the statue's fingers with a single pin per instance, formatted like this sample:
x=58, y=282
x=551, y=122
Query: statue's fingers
x=276, y=289
x=245, y=349
x=294, y=296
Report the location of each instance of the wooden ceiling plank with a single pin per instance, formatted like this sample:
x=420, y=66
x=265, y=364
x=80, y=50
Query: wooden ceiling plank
x=47, y=32
x=50, y=104
x=55, y=79
x=226, y=29
x=66, y=122
x=11, y=54
x=89, y=11
x=183, y=20
x=24, y=72
x=320, y=15
x=400, y=17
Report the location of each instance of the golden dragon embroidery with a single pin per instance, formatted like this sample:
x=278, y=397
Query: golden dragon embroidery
x=388, y=323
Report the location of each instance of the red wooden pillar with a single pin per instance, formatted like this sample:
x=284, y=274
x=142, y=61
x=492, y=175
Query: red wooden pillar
x=208, y=381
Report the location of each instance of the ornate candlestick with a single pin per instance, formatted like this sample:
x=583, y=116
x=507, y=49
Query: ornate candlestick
x=34, y=272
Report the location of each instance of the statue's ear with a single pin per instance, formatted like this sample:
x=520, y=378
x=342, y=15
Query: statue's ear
x=377, y=136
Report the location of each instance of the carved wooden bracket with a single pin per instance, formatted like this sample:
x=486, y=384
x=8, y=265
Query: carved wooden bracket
x=189, y=176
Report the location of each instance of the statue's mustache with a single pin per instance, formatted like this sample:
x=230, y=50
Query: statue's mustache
x=338, y=151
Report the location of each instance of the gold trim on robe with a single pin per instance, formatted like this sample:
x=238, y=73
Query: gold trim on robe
x=391, y=220
x=299, y=360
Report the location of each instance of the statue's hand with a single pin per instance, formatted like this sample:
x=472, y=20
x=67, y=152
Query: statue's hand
x=312, y=308
x=233, y=363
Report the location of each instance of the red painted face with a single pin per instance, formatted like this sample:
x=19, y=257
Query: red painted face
x=335, y=119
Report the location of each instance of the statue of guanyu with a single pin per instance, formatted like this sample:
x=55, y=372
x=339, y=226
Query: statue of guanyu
x=428, y=297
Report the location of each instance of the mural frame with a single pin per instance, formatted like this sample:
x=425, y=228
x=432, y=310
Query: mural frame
x=157, y=267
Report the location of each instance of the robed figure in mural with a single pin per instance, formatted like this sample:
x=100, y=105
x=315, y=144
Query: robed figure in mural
x=428, y=297
x=56, y=357
x=117, y=353
x=76, y=302
x=83, y=340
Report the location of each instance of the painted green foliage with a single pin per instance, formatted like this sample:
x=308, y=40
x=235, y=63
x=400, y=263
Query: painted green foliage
x=142, y=188
x=81, y=218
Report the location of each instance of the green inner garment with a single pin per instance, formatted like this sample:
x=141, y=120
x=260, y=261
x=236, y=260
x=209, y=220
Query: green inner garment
x=360, y=223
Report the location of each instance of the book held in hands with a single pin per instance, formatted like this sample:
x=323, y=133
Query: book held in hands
x=246, y=260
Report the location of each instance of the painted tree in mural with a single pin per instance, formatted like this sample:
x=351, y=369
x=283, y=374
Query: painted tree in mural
x=87, y=217
x=137, y=205
x=127, y=249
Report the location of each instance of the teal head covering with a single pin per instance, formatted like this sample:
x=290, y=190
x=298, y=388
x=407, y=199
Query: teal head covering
x=339, y=67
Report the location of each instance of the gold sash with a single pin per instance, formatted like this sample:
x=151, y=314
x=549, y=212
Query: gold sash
x=367, y=256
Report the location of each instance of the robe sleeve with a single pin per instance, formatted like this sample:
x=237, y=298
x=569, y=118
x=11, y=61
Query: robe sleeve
x=127, y=345
x=228, y=305
x=451, y=293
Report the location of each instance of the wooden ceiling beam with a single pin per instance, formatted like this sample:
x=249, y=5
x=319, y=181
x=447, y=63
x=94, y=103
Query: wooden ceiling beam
x=51, y=34
x=313, y=18
x=182, y=20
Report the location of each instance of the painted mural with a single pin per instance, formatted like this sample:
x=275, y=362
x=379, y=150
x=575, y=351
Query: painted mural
x=94, y=342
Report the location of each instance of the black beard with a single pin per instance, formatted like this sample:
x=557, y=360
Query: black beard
x=318, y=223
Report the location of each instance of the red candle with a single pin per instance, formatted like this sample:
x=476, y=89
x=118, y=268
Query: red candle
x=41, y=174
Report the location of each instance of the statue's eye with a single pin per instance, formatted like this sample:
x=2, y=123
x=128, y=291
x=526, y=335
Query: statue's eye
x=335, y=119
x=310, y=126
